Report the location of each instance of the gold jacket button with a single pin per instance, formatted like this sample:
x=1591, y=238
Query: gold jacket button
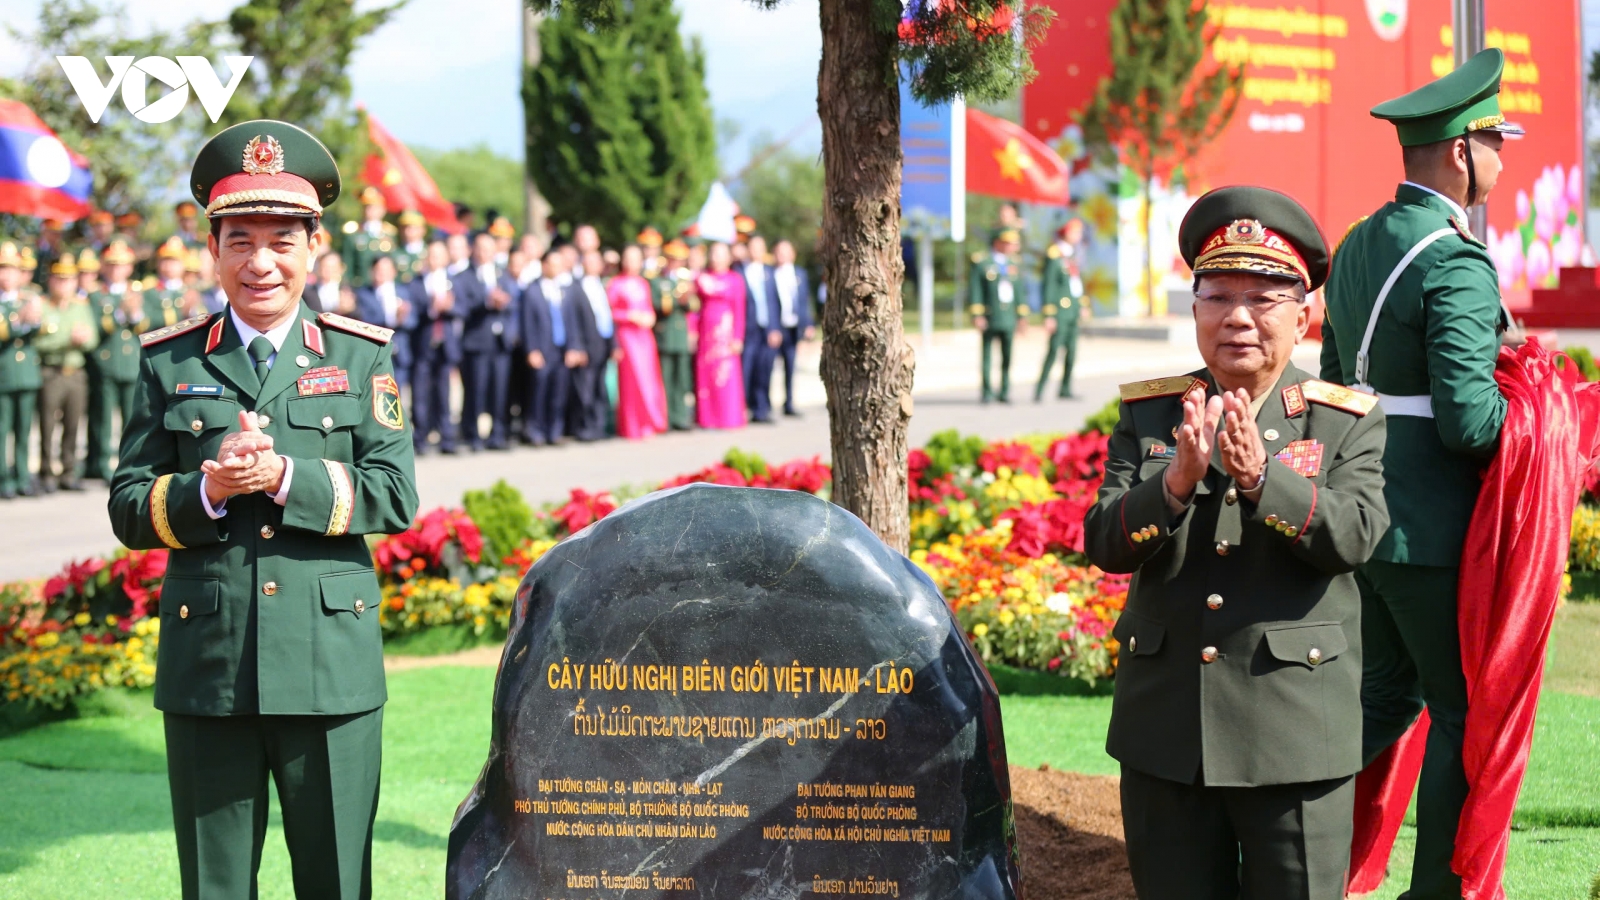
x=1222, y=548
x=1133, y=643
x=361, y=607
x=267, y=532
x=1231, y=497
x=183, y=612
x=1291, y=531
x=269, y=588
x=1314, y=657
x=1214, y=601
x=327, y=421
x=1272, y=521
x=196, y=425
x=1208, y=655
x=264, y=420
x=1138, y=537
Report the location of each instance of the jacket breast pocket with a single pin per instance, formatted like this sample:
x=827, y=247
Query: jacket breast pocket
x=1138, y=635
x=195, y=648
x=198, y=425
x=1306, y=645
x=323, y=424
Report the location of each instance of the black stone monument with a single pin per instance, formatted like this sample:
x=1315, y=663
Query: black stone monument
x=736, y=693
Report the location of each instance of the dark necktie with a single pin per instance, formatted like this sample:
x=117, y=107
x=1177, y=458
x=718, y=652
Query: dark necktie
x=261, y=351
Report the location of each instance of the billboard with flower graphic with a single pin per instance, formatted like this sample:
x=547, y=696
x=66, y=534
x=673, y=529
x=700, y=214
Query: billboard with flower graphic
x=1312, y=71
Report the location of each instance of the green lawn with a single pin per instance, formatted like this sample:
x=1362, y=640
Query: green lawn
x=84, y=810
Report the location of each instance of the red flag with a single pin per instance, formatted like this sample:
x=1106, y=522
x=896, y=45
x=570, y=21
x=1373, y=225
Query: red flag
x=1003, y=160
x=405, y=184
x=39, y=176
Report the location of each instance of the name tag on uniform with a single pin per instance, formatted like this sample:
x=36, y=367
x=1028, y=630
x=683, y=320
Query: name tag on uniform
x=324, y=380
x=199, y=390
x=1162, y=451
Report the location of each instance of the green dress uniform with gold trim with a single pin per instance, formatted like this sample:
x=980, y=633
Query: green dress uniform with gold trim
x=113, y=371
x=1061, y=296
x=1237, y=707
x=361, y=247
x=19, y=385
x=675, y=297
x=994, y=291
x=1430, y=360
x=271, y=660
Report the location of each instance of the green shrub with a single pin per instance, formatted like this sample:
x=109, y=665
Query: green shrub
x=502, y=516
x=745, y=463
x=1106, y=418
x=1585, y=552
x=948, y=451
x=1585, y=361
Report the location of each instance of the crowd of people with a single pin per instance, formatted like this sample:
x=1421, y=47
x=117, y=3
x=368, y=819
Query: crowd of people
x=551, y=339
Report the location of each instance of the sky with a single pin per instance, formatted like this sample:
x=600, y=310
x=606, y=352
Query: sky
x=444, y=73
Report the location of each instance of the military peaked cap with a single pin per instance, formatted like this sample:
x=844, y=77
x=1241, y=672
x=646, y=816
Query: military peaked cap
x=264, y=167
x=1243, y=228
x=1461, y=102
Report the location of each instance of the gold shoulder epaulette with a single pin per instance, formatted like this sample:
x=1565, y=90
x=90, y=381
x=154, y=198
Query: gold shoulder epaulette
x=977, y=257
x=355, y=326
x=1338, y=397
x=1347, y=233
x=151, y=338
x=1134, y=391
x=350, y=227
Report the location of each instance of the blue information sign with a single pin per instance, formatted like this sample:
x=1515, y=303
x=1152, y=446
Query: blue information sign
x=933, y=175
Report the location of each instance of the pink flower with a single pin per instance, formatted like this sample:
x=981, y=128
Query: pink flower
x=1574, y=196
x=1506, y=251
x=1567, y=247
x=1524, y=206
x=1538, y=264
x=1549, y=204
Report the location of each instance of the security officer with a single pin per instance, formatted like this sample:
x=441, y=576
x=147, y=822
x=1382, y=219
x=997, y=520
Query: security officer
x=1061, y=292
x=675, y=299
x=164, y=302
x=1414, y=316
x=66, y=337
x=20, y=311
x=267, y=442
x=412, y=247
x=994, y=295
x=118, y=309
x=1243, y=495
x=366, y=239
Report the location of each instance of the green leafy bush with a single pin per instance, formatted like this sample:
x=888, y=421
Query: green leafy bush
x=1106, y=418
x=745, y=463
x=950, y=451
x=503, y=518
x=1585, y=361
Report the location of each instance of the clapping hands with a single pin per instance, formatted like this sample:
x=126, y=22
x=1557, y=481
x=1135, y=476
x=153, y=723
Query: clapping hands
x=1237, y=442
x=245, y=463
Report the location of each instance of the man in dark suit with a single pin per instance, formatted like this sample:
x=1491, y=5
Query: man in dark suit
x=436, y=350
x=763, y=332
x=386, y=303
x=488, y=301
x=544, y=340
x=589, y=345
x=794, y=314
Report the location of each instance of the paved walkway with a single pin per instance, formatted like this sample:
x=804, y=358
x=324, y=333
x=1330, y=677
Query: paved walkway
x=42, y=533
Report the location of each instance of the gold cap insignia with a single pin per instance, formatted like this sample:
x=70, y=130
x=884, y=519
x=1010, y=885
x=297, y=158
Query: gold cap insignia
x=263, y=156
x=1245, y=231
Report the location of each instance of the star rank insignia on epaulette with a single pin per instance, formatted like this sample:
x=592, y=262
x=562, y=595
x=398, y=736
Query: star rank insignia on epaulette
x=1177, y=385
x=372, y=332
x=1338, y=397
x=152, y=338
x=1465, y=232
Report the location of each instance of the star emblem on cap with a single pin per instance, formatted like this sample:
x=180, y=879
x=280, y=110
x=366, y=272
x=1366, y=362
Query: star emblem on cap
x=263, y=156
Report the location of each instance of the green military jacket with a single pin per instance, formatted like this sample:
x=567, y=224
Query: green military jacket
x=54, y=339
x=360, y=248
x=117, y=357
x=271, y=608
x=994, y=291
x=674, y=298
x=19, y=361
x=1437, y=336
x=1240, y=655
x=162, y=307
x=408, y=265
x=1061, y=289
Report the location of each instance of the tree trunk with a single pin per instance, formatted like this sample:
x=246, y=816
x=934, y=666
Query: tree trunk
x=535, y=209
x=866, y=362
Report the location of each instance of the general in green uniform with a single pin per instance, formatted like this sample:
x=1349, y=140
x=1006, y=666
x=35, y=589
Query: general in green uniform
x=1238, y=694
x=1063, y=306
x=994, y=300
x=1414, y=316
x=266, y=442
x=411, y=250
x=20, y=311
x=366, y=240
x=675, y=298
x=114, y=366
x=66, y=338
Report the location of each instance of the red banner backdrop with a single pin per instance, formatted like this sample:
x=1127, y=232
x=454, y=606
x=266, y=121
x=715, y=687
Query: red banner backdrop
x=1314, y=68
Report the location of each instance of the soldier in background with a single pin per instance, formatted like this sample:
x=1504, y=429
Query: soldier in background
x=163, y=305
x=1062, y=304
x=66, y=336
x=102, y=226
x=52, y=243
x=994, y=299
x=118, y=310
x=675, y=300
x=20, y=311
x=188, y=217
x=413, y=246
x=366, y=239
x=504, y=236
x=88, y=272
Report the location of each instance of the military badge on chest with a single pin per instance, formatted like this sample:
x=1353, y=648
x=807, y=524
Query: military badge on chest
x=1304, y=457
x=324, y=380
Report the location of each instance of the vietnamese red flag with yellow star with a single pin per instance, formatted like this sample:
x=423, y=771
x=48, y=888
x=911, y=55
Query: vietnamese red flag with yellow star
x=1004, y=160
x=405, y=184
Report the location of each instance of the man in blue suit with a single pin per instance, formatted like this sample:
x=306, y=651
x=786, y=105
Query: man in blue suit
x=763, y=333
x=794, y=314
x=487, y=298
x=590, y=342
x=387, y=303
x=436, y=351
x=544, y=340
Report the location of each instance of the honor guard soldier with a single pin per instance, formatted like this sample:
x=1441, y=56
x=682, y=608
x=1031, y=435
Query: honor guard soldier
x=20, y=311
x=1061, y=290
x=1414, y=318
x=118, y=310
x=1243, y=495
x=267, y=441
x=188, y=217
x=88, y=272
x=163, y=302
x=367, y=239
x=675, y=300
x=412, y=248
x=66, y=338
x=995, y=302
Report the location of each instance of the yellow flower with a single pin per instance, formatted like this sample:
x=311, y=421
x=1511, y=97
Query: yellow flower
x=82, y=619
x=980, y=629
x=111, y=621
x=46, y=640
x=1007, y=617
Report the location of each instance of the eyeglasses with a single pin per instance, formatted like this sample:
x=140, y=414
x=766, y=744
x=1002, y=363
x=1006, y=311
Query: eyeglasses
x=1256, y=302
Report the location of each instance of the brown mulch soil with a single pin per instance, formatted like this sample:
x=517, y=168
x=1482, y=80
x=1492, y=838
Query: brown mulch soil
x=1069, y=828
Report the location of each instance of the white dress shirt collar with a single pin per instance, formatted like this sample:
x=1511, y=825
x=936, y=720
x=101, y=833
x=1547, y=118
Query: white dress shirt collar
x=247, y=334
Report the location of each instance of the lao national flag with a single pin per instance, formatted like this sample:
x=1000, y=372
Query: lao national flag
x=39, y=176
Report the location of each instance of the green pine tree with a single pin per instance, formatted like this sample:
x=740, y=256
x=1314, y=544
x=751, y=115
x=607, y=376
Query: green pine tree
x=619, y=130
x=1158, y=107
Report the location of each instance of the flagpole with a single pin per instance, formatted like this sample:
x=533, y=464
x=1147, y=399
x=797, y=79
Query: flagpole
x=535, y=210
x=1467, y=24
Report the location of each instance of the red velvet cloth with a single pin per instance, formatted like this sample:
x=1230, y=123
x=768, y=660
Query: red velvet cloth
x=1511, y=569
